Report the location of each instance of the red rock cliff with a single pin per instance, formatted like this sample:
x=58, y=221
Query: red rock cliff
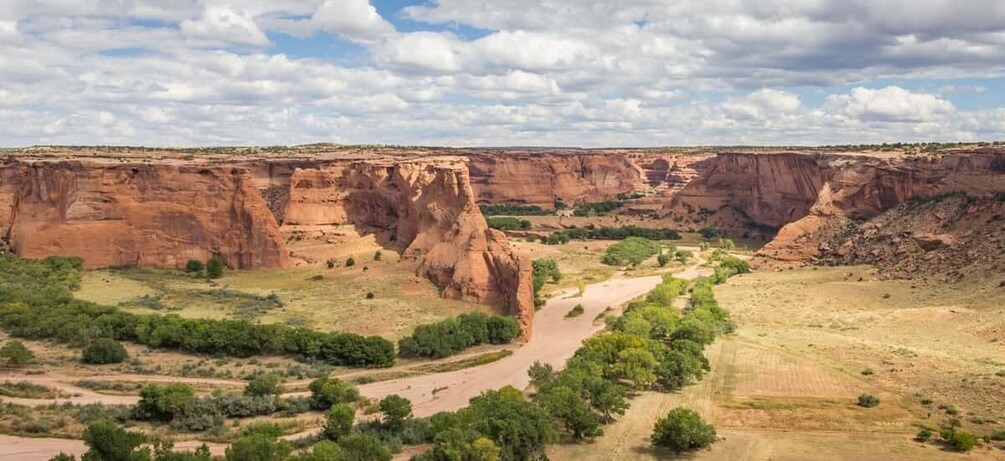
x=162, y=214
x=803, y=192
x=541, y=178
x=138, y=214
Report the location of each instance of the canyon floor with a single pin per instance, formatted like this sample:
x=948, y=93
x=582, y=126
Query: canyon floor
x=809, y=341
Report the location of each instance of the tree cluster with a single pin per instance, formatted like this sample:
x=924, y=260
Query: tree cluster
x=513, y=210
x=610, y=233
x=630, y=251
x=508, y=223
x=452, y=335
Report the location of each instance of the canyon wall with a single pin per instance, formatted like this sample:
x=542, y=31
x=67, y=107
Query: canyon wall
x=161, y=214
x=137, y=214
x=542, y=178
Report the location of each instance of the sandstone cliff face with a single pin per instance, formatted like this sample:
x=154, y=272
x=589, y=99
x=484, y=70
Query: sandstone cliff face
x=542, y=178
x=803, y=193
x=137, y=214
x=163, y=214
x=429, y=208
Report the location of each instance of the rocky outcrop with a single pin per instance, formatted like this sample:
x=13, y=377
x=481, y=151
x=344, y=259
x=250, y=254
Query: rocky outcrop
x=163, y=213
x=427, y=209
x=858, y=188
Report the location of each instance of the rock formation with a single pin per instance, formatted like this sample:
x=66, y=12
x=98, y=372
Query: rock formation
x=542, y=178
x=163, y=213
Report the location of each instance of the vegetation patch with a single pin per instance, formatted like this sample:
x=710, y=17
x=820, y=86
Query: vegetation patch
x=630, y=251
x=455, y=334
x=513, y=210
x=26, y=390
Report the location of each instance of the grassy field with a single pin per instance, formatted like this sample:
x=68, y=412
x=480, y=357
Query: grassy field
x=784, y=386
x=313, y=296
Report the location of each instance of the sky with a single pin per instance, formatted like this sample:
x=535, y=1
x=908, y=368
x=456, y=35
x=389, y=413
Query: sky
x=588, y=73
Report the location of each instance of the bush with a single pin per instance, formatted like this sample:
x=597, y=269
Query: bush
x=924, y=435
x=338, y=421
x=103, y=351
x=214, y=268
x=15, y=354
x=377, y=255
x=164, y=403
x=358, y=447
x=194, y=266
x=611, y=233
x=264, y=384
x=958, y=440
x=631, y=251
x=396, y=410
x=663, y=259
x=327, y=392
x=681, y=430
x=575, y=312
x=867, y=400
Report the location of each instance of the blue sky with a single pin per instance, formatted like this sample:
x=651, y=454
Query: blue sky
x=521, y=72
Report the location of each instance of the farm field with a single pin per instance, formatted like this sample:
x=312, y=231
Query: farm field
x=809, y=342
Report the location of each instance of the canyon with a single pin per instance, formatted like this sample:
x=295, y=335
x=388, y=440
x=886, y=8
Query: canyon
x=160, y=208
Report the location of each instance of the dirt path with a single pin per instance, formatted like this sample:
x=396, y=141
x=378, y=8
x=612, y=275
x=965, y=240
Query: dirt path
x=554, y=340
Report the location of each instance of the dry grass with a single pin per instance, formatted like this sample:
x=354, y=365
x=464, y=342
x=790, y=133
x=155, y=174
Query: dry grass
x=313, y=296
x=784, y=386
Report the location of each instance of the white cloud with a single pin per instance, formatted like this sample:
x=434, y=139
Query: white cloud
x=539, y=72
x=353, y=19
x=890, y=104
x=225, y=24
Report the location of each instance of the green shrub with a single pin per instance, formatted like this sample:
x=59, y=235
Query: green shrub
x=867, y=400
x=924, y=435
x=338, y=421
x=327, y=392
x=396, y=410
x=958, y=440
x=164, y=403
x=377, y=255
x=15, y=354
x=194, y=266
x=103, y=351
x=681, y=430
x=575, y=312
x=214, y=268
x=349, y=262
x=264, y=384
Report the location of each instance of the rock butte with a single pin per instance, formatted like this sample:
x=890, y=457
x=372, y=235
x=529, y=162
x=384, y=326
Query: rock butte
x=159, y=208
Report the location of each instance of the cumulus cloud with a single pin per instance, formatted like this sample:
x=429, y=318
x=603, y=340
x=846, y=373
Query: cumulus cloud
x=480, y=72
x=890, y=104
x=353, y=19
x=225, y=24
